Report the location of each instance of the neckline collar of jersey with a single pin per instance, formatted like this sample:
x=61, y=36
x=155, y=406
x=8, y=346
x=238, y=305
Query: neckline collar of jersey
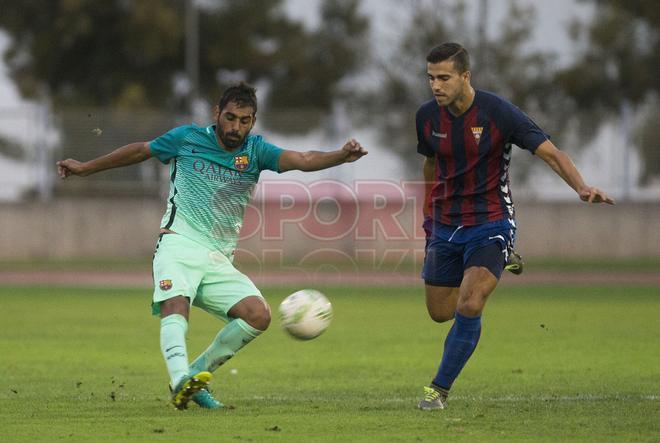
x=454, y=117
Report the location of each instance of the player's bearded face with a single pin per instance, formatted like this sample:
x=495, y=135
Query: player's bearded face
x=234, y=123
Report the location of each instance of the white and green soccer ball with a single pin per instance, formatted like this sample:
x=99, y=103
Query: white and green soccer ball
x=305, y=314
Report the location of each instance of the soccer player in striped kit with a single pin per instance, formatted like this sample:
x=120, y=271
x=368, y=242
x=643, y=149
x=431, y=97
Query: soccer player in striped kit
x=466, y=136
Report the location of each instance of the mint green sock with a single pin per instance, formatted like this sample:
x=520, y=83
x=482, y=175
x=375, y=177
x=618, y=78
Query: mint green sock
x=173, y=330
x=236, y=334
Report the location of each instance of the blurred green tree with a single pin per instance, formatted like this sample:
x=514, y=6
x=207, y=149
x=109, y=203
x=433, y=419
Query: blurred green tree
x=503, y=63
x=82, y=52
x=93, y=60
x=131, y=53
x=332, y=51
x=618, y=66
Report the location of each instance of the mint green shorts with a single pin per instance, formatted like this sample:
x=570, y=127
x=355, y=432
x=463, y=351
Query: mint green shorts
x=209, y=279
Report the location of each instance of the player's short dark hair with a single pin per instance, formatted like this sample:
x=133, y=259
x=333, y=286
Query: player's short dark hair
x=242, y=94
x=450, y=51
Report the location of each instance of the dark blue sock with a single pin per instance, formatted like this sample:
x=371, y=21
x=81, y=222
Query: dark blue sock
x=459, y=346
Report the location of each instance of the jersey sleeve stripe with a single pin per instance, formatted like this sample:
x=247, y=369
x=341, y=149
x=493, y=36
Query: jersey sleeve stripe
x=173, y=212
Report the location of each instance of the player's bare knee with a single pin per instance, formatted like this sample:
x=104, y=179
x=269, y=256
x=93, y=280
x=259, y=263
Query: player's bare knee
x=175, y=305
x=471, y=304
x=259, y=319
x=257, y=313
x=441, y=302
x=441, y=316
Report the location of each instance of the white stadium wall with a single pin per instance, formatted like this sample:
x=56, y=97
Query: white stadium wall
x=128, y=228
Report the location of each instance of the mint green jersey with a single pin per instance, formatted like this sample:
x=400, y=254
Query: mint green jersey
x=209, y=186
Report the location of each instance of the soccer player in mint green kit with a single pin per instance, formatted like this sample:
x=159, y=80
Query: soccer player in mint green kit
x=213, y=171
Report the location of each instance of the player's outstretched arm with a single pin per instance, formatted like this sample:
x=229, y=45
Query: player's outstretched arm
x=316, y=160
x=562, y=164
x=124, y=156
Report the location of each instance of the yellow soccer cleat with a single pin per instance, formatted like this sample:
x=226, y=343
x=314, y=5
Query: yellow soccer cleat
x=183, y=392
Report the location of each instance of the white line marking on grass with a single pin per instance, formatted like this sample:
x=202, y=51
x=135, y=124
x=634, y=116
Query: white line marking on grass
x=562, y=398
x=508, y=398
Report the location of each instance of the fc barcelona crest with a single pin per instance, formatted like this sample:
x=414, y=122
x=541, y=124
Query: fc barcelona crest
x=476, y=132
x=241, y=162
x=165, y=284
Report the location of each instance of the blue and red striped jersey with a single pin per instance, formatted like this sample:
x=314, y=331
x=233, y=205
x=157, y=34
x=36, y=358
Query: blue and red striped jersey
x=472, y=154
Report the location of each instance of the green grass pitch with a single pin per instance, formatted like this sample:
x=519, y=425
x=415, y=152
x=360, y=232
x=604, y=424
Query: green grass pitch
x=553, y=364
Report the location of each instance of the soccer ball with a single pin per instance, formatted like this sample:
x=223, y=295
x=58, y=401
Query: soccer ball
x=305, y=314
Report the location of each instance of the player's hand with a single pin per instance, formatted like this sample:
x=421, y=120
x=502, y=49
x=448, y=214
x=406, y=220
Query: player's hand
x=69, y=167
x=595, y=195
x=353, y=150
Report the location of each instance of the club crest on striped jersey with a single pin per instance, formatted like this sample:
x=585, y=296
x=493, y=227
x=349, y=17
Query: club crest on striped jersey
x=476, y=132
x=165, y=284
x=241, y=162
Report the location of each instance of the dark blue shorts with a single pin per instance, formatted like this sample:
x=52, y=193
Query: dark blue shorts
x=450, y=250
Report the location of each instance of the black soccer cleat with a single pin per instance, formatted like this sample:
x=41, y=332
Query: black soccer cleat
x=514, y=263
